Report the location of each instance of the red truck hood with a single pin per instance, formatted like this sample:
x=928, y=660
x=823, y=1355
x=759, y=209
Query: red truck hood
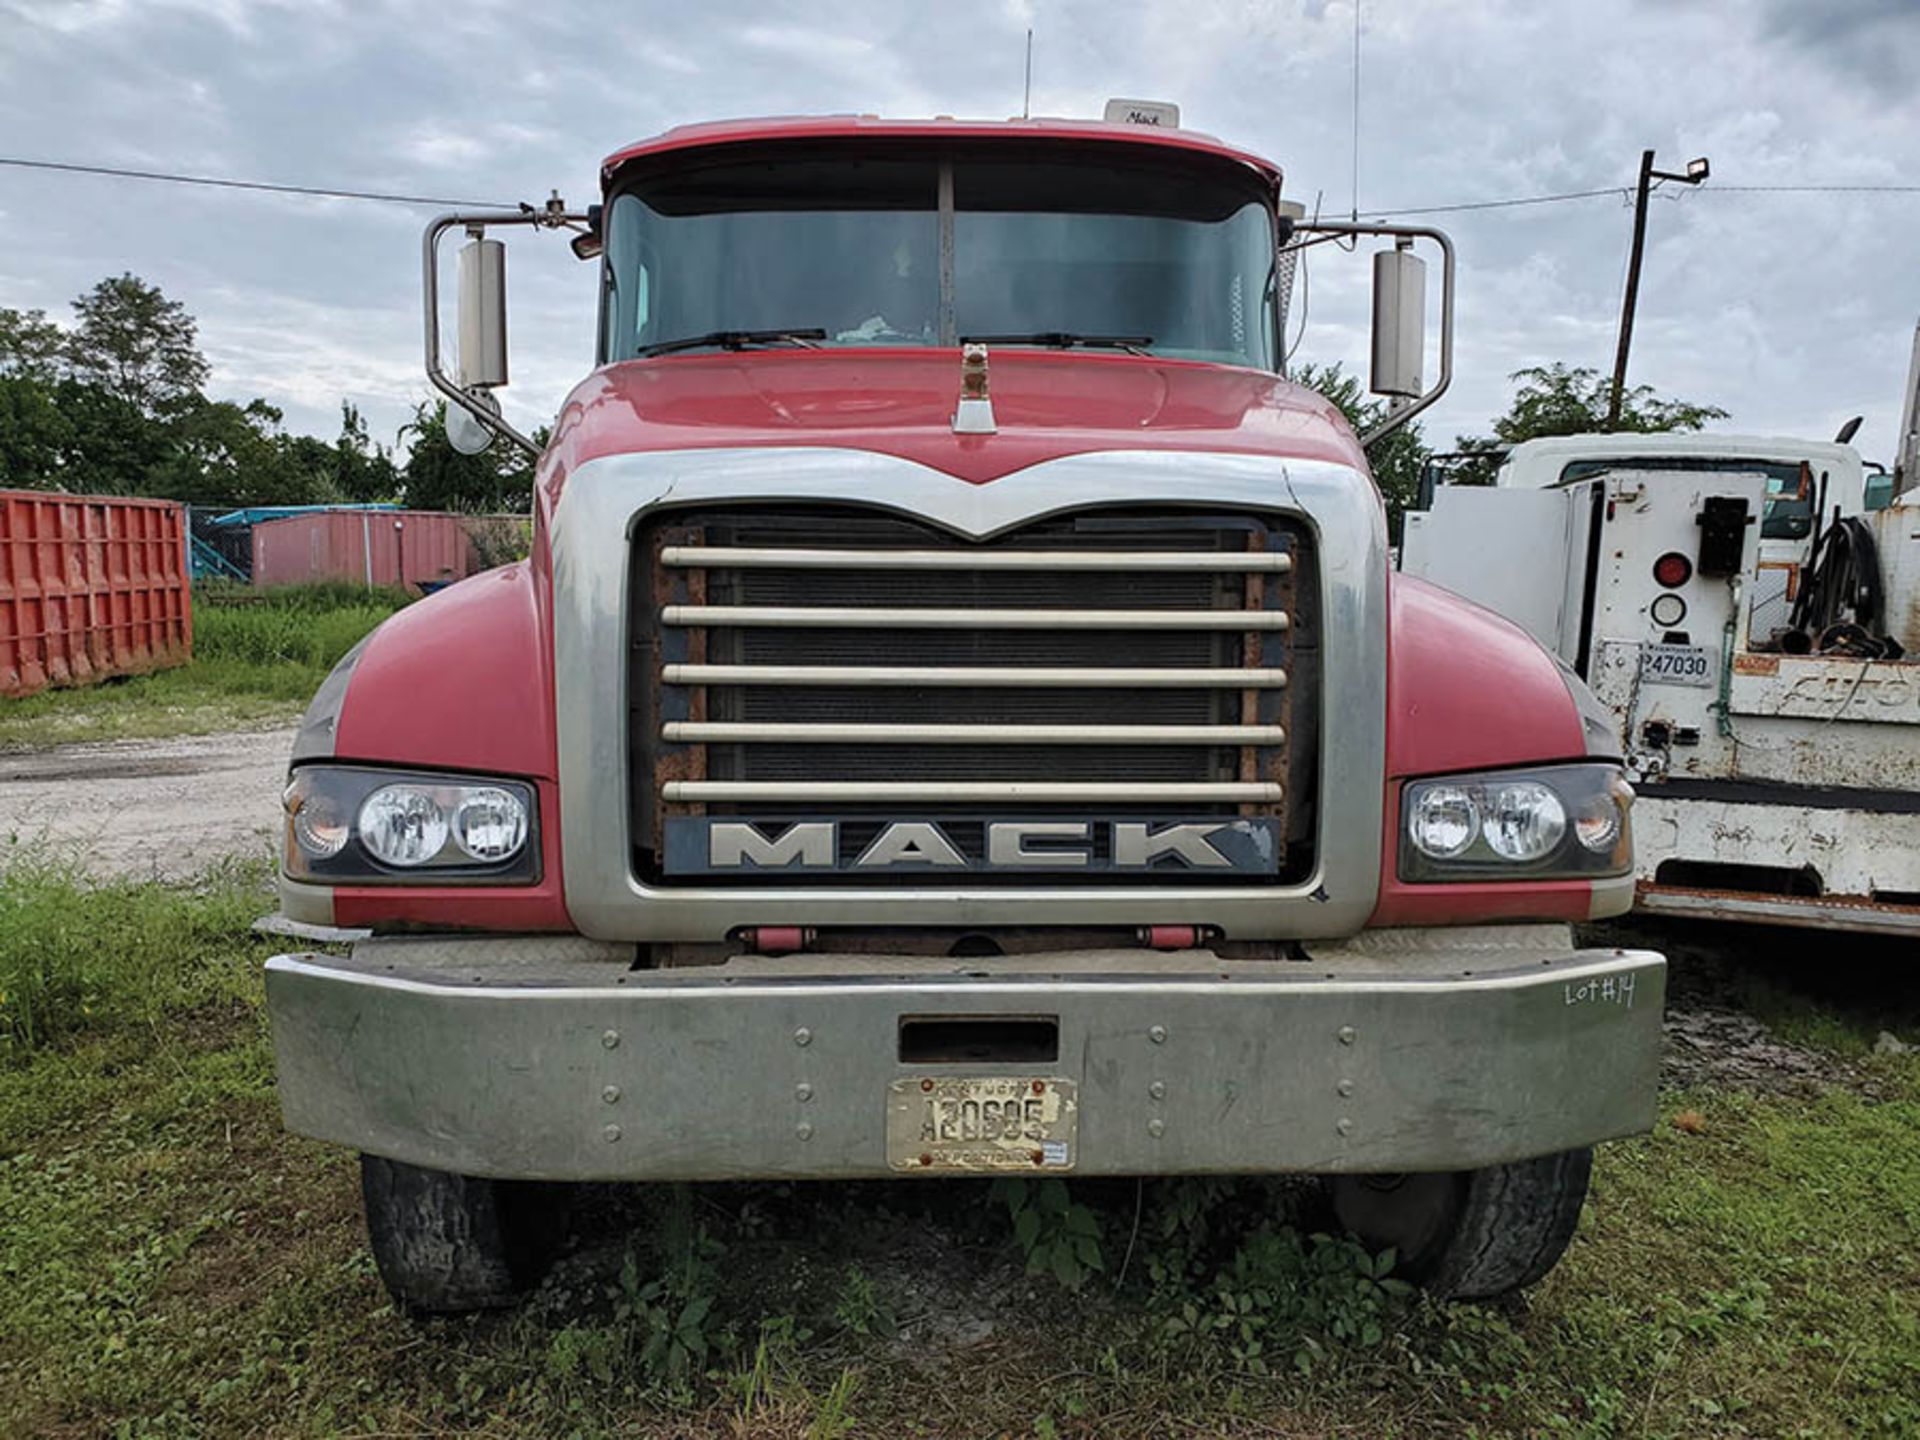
x=901, y=402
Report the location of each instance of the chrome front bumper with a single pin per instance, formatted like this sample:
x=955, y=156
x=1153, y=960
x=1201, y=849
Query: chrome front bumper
x=548, y=1058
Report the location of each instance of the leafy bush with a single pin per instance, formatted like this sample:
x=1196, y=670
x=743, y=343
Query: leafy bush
x=1287, y=1295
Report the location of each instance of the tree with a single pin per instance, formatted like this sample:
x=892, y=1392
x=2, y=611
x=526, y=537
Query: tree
x=135, y=343
x=32, y=347
x=236, y=454
x=439, y=477
x=363, y=470
x=1396, y=458
x=110, y=447
x=34, y=433
x=1563, y=400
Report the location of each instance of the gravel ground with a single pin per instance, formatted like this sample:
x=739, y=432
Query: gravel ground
x=149, y=808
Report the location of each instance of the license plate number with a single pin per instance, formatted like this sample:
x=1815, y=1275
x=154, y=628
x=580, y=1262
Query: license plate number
x=937, y=1124
x=1676, y=664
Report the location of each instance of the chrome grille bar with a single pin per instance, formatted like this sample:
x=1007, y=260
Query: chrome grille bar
x=941, y=791
x=911, y=618
x=697, y=732
x=744, y=558
x=972, y=676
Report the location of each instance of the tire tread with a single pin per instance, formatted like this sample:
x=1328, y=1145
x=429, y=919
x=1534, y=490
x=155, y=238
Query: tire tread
x=1514, y=1225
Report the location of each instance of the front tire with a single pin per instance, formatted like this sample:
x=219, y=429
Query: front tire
x=446, y=1243
x=1471, y=1234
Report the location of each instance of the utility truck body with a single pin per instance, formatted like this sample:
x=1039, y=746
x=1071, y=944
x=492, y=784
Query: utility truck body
x=957, y=719
x=1744, y=616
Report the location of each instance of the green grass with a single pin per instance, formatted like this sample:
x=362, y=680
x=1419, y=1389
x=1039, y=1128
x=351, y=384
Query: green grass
x=257, y=659
x=172, y=1263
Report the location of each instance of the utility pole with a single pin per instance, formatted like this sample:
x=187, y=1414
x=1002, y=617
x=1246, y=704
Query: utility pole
x=1697, y=171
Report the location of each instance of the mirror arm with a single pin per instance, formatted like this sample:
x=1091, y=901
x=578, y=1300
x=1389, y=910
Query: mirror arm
x=1396, y=418
x=551, y=218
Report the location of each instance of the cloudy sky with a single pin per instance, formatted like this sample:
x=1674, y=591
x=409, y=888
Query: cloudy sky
x=1793, y=311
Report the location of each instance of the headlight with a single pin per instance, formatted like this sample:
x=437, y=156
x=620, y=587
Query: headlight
x=350, y=825
x=1556, y=822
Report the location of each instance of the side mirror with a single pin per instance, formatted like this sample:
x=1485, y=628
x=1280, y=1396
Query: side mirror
x=483, y=314
x=1399, y=321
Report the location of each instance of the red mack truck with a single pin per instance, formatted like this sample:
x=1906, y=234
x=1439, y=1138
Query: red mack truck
x=957, y=718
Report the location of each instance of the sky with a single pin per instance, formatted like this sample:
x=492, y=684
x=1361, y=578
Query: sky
x=1793, y=311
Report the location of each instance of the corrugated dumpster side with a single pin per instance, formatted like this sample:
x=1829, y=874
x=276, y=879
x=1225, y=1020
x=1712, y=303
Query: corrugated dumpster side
x=90, y=586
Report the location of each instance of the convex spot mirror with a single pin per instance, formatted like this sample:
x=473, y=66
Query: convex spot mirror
x=466, y=432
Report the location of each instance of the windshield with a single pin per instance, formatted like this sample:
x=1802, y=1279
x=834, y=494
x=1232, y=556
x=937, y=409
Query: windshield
x=1789, y=504
x=1174, y=256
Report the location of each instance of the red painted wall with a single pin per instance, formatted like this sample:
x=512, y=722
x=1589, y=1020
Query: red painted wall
x=90, y=586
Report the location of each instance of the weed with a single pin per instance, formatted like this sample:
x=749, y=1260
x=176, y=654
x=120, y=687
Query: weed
x=668, y=1317
x=1294, y=1297
x=857, y=1307
x=1058, y=1237
x=78, y=954
x=834, y=1419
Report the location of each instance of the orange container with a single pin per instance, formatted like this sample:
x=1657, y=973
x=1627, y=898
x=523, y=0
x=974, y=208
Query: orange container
x=90, y=586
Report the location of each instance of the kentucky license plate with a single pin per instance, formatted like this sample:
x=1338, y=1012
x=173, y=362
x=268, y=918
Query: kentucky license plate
x=973, y=1124
x=1676, y=664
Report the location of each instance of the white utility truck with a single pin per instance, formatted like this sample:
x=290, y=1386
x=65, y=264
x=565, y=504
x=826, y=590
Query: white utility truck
x=1744, y=607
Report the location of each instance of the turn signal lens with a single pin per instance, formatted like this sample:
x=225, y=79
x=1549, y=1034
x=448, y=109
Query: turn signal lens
x=1673, y=570
x=1598, y=824
x=319, y=822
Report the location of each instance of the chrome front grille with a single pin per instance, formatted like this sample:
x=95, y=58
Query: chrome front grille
x=837, y=661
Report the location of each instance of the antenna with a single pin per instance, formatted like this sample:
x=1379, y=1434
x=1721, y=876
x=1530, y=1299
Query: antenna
x=1356, y=112
x=1026, y=99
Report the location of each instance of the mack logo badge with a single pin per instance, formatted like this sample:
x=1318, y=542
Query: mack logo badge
x=740, y=846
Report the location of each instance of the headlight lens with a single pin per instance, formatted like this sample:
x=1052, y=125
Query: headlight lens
x=353, y=825
x=403, y=825
x=1442, y=821
x=490, y=825
x=1524, y=822
x=1551, y=823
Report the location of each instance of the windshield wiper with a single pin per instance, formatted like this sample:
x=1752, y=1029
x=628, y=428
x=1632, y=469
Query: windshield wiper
x=733, y=340
x=1066, y=340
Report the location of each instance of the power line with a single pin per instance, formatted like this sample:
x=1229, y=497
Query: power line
x=1718, y=188
x=217, y=182
x=385, y=198
x=1619, y=190
x=1624, y=192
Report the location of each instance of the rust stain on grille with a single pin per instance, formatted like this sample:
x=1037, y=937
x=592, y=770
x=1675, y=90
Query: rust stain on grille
x=676, y=586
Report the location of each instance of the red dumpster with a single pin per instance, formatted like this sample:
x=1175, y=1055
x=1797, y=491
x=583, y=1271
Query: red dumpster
x=90, y=586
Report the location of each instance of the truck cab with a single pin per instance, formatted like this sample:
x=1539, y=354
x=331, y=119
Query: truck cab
x=957, y=719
